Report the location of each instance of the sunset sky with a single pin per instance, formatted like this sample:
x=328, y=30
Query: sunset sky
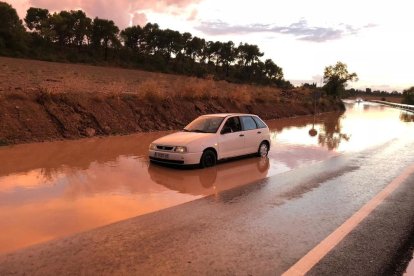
x=375, y=38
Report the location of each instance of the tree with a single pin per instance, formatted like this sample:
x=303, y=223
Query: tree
x=248, y=59
x=12, y=32
x=336, y=78
x=227, y=55
x=272, y=71
x=61, y=25
x=249, y=54
x=168, y=43
x=104, y=34
x=211, y=51
x=81, y=28
x=408, y=96
x=194, y=48
x=36, y=19
x=150, y=36
x=133, y=38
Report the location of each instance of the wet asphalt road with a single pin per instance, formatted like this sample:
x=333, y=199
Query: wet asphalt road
x=261, y=228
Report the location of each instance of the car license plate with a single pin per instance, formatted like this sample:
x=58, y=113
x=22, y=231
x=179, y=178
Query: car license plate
x=161, y=155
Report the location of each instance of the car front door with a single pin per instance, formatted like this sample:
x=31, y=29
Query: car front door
x=231, y=139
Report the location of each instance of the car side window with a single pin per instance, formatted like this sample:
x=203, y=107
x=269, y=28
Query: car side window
x=233, y=123
x=248, y=123
x=259, y=122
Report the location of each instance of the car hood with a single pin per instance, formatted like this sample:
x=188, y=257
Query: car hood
x=181, y=138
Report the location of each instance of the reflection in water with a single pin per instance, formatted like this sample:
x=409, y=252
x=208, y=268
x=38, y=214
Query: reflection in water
x=225, y=176
x=406, y=117
x=313, y=132
x=50, y=190
x=331, y=135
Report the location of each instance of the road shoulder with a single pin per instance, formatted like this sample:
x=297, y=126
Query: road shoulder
x=378, y=244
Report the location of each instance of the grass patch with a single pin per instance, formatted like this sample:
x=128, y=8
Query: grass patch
x=152, y=91
x=242, y=95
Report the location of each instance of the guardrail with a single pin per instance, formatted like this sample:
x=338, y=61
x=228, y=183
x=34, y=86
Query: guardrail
x=405, y=107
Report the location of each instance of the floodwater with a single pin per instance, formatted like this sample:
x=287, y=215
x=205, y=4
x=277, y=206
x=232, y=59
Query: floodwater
x=51, y=190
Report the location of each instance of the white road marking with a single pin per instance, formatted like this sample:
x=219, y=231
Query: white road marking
x=307, y=262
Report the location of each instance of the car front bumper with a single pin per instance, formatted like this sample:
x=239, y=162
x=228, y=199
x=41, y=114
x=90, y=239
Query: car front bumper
x=166, y=157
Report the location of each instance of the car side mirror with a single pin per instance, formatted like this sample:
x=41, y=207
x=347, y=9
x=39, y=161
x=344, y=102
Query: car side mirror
x=226, y=130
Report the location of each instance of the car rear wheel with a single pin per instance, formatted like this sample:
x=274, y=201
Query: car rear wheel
x=263, y=149
x=208, y=159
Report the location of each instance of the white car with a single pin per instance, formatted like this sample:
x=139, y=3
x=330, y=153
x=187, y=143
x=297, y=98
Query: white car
x=214, y=137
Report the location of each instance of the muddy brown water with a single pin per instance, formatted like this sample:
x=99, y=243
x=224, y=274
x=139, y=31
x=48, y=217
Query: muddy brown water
x=51, y=190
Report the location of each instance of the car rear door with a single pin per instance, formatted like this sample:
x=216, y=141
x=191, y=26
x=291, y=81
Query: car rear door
x=251, y=133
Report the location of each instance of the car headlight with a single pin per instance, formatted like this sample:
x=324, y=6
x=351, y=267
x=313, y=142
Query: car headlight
x=180, y=149
x=152, y=146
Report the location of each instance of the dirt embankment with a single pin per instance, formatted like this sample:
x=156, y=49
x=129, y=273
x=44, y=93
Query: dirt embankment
x=42, y=101
x=41, y=116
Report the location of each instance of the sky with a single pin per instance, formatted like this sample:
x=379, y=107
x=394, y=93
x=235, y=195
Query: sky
x=374, y=38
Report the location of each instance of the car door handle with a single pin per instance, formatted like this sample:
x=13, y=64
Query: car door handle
x=241, y=135
x=259, y=132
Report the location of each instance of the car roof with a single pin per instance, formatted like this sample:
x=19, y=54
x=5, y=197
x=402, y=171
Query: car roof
x=223, y=115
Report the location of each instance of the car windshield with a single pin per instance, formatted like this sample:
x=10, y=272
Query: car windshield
x=205, y=124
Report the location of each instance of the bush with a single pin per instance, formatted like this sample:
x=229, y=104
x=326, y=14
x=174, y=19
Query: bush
x=3, y=142
x=408, y=96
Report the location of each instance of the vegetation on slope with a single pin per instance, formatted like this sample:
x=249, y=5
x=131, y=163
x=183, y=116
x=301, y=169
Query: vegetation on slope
x=46, y=101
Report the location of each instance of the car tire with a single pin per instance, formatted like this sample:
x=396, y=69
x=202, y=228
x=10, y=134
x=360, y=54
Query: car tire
x=208, y=159
x=263, y=150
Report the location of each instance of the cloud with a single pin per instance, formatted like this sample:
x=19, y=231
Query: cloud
x=193, y=15
x=122, y=12
x=139, y=19
x=301, y=30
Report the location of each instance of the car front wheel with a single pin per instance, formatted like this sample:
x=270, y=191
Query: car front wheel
x=208, y=159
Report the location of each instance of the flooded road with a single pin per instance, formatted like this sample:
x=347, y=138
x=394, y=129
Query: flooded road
x=50, y=190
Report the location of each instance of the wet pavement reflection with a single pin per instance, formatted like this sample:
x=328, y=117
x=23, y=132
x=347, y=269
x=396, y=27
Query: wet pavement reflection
x=50, y=190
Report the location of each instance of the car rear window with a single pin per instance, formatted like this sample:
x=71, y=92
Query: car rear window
x=259, y=122
x=248, y=123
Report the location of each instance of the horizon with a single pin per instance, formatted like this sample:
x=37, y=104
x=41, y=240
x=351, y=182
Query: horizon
x=302, y=39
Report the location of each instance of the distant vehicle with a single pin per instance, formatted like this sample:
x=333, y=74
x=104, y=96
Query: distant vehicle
x=214, y=137
x=359, y=100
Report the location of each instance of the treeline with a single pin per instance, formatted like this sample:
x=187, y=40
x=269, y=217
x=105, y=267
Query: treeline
x=71, y=36
x=369, y=92
x=408, y=96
